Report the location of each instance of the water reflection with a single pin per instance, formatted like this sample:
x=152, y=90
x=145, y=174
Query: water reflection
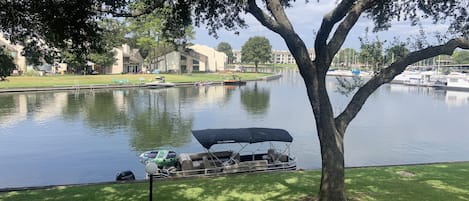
x=12, y=110
x=457, y=98
x=107, y=110
x=159, y=119
x=109, y=128
x=255, y=100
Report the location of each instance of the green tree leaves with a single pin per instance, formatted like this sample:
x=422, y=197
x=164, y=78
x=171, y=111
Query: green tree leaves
x=371, y=53
x=6, y=64
x=257, y=50
x=226, y=48
x=396, y=52
x=461, y=57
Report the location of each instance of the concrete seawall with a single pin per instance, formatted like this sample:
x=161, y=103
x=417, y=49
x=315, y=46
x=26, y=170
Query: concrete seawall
x=111, y=86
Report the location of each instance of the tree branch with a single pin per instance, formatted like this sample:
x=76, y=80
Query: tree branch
x=346, y=25
x=261, y=16
x=280, y=24
x=277, y=11
x=328, y=23
x=388, y=74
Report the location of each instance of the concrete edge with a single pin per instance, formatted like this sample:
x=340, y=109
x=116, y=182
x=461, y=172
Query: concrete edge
x=112, y=86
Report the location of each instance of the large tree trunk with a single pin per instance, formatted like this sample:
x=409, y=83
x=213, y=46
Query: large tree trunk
x=332, y=186
x=332, y=181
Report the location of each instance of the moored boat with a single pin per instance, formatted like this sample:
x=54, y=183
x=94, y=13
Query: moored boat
x=159, y=84
x=202, y=83
x=234, y=82
x=211, y=162
x=457, y=81
x=162, y=158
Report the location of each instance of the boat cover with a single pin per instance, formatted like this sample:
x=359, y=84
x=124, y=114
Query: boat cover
x=209, y=137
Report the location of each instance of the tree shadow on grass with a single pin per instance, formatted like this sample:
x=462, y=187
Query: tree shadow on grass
x=428, y=183
x=270, y=186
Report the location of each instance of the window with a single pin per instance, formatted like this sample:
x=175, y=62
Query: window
x=195, y=65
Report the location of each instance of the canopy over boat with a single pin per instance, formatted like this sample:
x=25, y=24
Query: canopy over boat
x=209, y=137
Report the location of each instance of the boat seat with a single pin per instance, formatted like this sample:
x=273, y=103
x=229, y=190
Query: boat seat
x=207, y=163
x=273, y=155
x=283, y=158
x=235, y=158
x=185, y=161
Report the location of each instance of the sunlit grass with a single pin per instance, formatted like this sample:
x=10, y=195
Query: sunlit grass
x=73, y=80
x=427, y=182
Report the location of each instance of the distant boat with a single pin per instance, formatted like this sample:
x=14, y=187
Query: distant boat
x=234, y=82
x=159, y=84
x=202, y=83
x=420, y=79
x=457, y=81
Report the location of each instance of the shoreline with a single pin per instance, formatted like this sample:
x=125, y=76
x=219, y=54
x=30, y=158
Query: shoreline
x=116, y=86
x=27, y=188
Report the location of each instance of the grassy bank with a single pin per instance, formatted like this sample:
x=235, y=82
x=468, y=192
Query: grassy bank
x=421, y=182
x=72, y=80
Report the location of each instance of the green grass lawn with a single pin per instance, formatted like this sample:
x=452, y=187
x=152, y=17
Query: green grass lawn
x=72, y=80
x=445, y=182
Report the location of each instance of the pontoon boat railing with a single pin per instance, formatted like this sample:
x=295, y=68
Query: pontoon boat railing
x=224, y=170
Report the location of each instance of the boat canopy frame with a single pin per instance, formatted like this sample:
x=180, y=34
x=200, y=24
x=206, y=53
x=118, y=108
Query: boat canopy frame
x=242, y=136
x=209, y=137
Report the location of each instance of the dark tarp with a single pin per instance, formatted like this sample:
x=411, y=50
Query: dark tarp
x=209, y=137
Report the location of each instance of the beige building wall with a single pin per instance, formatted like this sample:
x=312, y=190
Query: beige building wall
x=15, y=51
x=216, y=60
x=126, y=58
x=185, y=62
x=118, y=66
x=170, y=62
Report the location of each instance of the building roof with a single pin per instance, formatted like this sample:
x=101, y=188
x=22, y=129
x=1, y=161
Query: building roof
x=134, y=56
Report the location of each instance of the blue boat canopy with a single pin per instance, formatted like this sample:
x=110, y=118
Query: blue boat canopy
x=209, y=137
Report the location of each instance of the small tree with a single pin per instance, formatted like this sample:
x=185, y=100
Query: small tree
x=461, y=57
x=226, y=48
x=257, y=49
x=396, y=52
x=103, y=60
x=371, y=53
x=6, y=65
x=345, y=57
x=74, y=62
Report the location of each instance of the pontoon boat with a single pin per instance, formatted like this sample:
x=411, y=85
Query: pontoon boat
x=266, y=156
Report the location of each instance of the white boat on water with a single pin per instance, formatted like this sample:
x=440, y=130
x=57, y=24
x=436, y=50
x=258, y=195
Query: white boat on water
x=457, y=81
x=421, y=79
x=159, y=84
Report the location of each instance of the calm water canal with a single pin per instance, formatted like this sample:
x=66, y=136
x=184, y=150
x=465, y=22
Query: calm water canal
x=89, y=136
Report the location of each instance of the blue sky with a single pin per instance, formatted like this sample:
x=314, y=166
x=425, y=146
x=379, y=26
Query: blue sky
x=306, y=19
